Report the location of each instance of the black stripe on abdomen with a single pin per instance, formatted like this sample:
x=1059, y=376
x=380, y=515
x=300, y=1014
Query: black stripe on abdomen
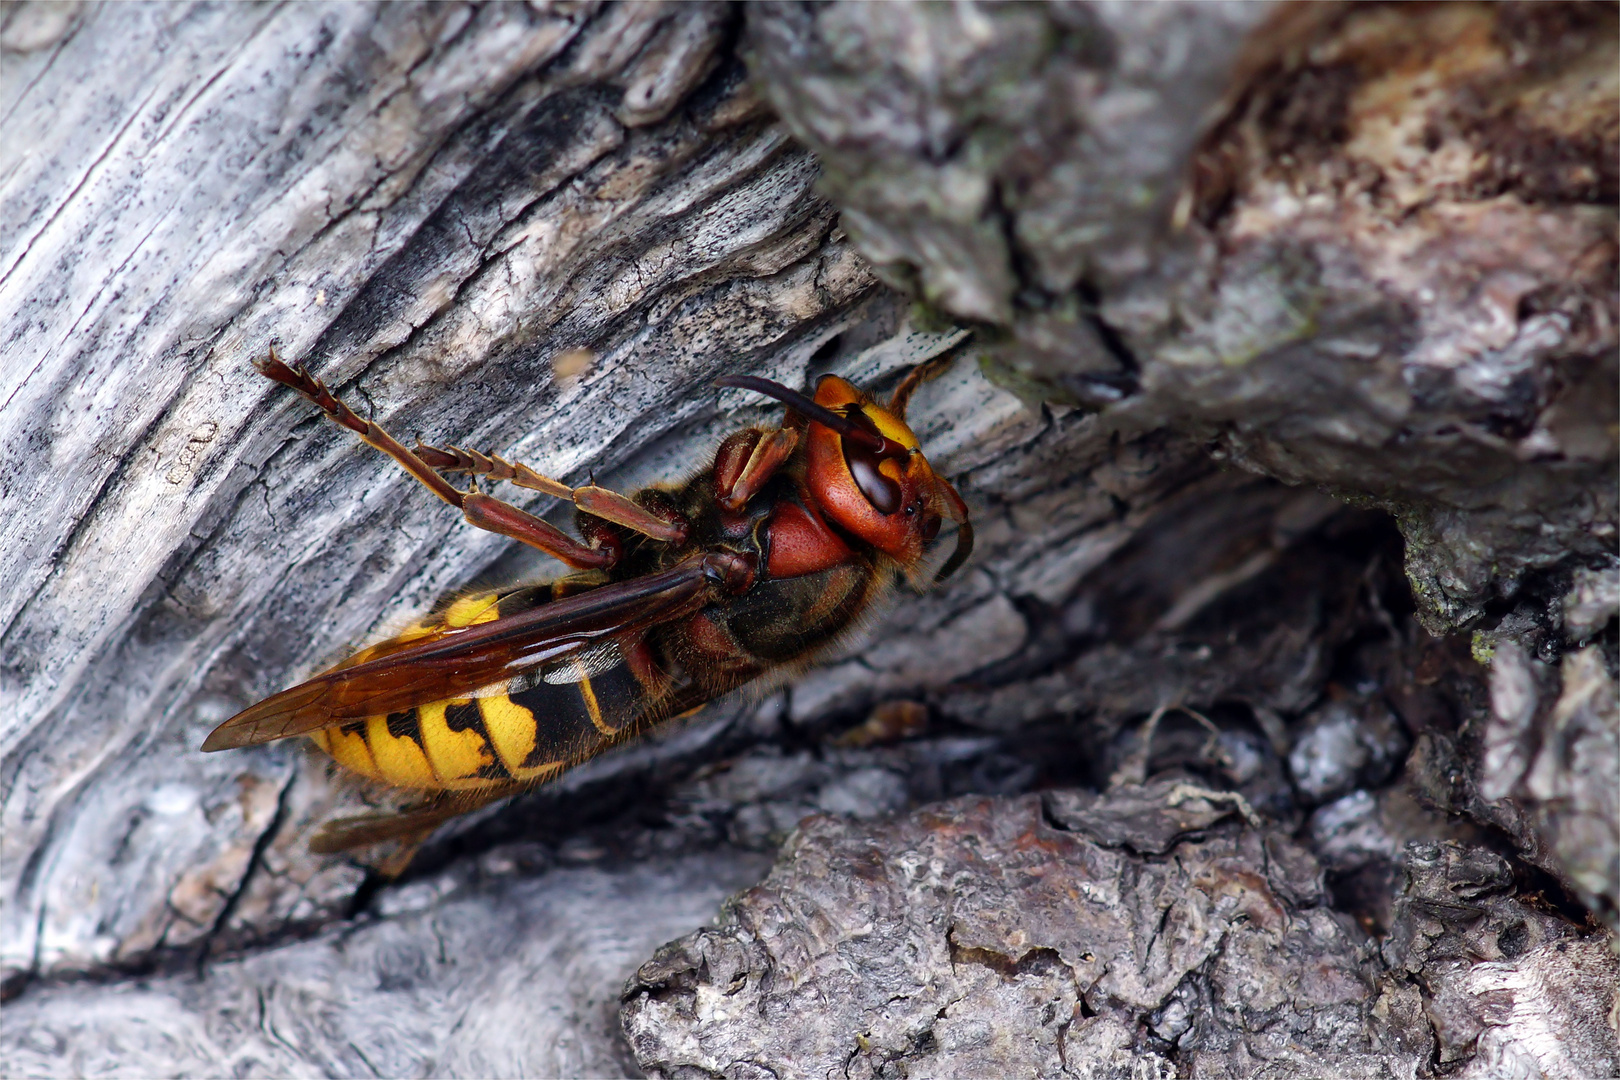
x=468, y=718
x=619, y=698
x=563, y=729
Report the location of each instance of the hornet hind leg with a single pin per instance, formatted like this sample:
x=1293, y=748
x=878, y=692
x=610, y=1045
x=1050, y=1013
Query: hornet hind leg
x=494, y=515
x=397, y=836
x=597, y=501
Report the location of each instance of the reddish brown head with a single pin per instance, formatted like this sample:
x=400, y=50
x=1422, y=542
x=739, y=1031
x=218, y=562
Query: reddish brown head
x=867, y=473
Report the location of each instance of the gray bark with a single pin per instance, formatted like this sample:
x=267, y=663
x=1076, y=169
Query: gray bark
x=1280, y=229
x=910, y=947
x=1382, y=854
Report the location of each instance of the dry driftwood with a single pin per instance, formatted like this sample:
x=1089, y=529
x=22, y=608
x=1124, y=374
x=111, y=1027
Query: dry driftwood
x=1406, y=299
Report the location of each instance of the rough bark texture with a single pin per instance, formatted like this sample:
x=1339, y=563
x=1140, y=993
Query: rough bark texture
x=1361, y=251
x=908, y=948
x=1384, y=264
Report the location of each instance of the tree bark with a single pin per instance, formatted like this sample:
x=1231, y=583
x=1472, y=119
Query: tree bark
x=1364, y=255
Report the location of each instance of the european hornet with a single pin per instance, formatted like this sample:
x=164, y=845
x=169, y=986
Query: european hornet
x=681, y=594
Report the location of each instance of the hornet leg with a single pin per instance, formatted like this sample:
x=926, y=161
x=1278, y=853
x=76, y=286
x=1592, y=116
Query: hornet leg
x=479, y=509
x=598, y=501
x=748, y=459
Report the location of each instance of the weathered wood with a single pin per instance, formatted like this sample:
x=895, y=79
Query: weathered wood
x=437, y=207
x=409, y=199
x=499, y=974
x=1366, y=249
x=427, y=205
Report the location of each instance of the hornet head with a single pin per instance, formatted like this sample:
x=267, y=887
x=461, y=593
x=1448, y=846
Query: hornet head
x=867, y=472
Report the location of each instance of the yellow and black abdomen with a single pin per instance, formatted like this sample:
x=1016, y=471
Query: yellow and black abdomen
x=527, y=735
x=532, y=727
x=526, y=730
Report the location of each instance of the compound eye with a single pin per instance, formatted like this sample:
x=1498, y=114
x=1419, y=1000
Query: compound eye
x=880, y=491
x=884, y=494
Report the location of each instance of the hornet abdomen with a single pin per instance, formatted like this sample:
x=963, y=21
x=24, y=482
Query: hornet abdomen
x=527, y=729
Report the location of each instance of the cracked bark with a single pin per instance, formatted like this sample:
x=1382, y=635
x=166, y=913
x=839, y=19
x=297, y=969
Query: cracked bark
x=1280, y=823
x=1194, y=946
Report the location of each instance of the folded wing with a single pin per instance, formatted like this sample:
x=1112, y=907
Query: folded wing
x=461, y=662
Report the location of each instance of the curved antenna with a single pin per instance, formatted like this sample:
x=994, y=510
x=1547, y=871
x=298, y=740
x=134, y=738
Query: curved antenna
x=964, y=548
x=957, y=511
x=923, y=372
x=820, y=414
x=902, y=393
